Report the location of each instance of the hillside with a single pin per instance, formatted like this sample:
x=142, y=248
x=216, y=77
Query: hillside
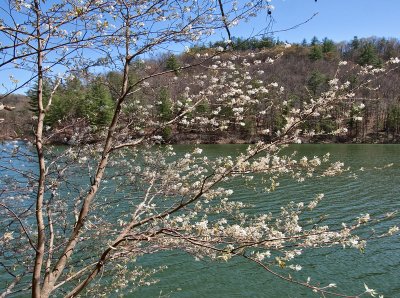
x=82, y=106
x=16, y=123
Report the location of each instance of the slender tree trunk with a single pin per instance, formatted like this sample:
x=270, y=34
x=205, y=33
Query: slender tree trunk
x=40, y=245
x=52, y=277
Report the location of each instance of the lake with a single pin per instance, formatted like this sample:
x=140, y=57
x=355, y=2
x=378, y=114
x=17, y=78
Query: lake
x=373, y=191
x=368, y=188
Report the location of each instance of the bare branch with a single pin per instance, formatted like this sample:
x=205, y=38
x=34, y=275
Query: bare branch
x=32, y=244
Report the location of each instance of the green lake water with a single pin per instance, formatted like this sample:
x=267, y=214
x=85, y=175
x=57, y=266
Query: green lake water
x=374, y=191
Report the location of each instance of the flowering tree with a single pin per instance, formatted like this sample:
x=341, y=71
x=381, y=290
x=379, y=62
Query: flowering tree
x=61, y=231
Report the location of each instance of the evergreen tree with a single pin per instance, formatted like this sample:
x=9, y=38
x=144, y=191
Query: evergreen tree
x=165, y=105
x=314, y=41
x=328, y=46
x=203, y=108
x=98, y=104
x=56, y=111
x=33, y=99
x=355, y=43
x=369, y=56
x=393, y=120
x=172, y=64
x=265, y=42
x=113, y=80
x=316, y=53
x=72, y=101
x=316, y=82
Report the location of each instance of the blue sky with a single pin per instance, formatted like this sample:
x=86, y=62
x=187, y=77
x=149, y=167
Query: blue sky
x=336, y=19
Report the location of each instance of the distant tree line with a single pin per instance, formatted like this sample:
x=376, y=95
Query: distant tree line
x=304, y=70
x=364, y=51
x=73, y=99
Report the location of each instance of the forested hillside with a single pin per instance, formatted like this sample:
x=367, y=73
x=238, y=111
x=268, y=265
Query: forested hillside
x=293, y=74
x=15, y=123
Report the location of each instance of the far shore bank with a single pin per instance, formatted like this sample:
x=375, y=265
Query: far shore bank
x=188, y=139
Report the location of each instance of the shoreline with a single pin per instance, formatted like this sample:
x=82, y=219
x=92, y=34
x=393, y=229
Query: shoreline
x=201, y=140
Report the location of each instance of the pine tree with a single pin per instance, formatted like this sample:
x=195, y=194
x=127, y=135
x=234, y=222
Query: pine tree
x=172, y=64
x=328, y=46
x=355, y=43
x=165, y=105
x=316, y=82
x=55, y=111
x=32, y=94
x=369, y=56
x=316, y=53
x=393, y=120
x=98, y=104
x=314, y=41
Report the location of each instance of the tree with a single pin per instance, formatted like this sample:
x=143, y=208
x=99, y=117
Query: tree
x=165, y=105
x=393, y=121
x=67, y=101
x=328, y=46
x=73, y=100
x=172, y=64
x=355, y=43
x=314, y=41
x=97, y=104
x=369, y=56
x=317, y=83
x=32, y=94
x=70, y=234
x=316, y=53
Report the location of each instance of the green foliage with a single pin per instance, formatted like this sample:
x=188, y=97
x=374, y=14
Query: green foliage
x=354, y=113
x=326, y=125
x=203, y=108
x=353, y=79
x=393, y=119
x=355, y=43
x=226, y=112
x=319, y=125
x=172, y=63
x=316, y=53
x=328, y=46
x=243, y=44
x=33, y=98
x=73, y=100
x=314, y=41
x=166, y=133
x=91, y=100
x=114, y=80
x=98, y=105
x=198, y=48
x=58, y=108
x=317, y=82
x=67, y=102
x=279, y=121
x=266, y=42
x=369, y=56
x=249, y=127
x=58, y=111
x=165, y=105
